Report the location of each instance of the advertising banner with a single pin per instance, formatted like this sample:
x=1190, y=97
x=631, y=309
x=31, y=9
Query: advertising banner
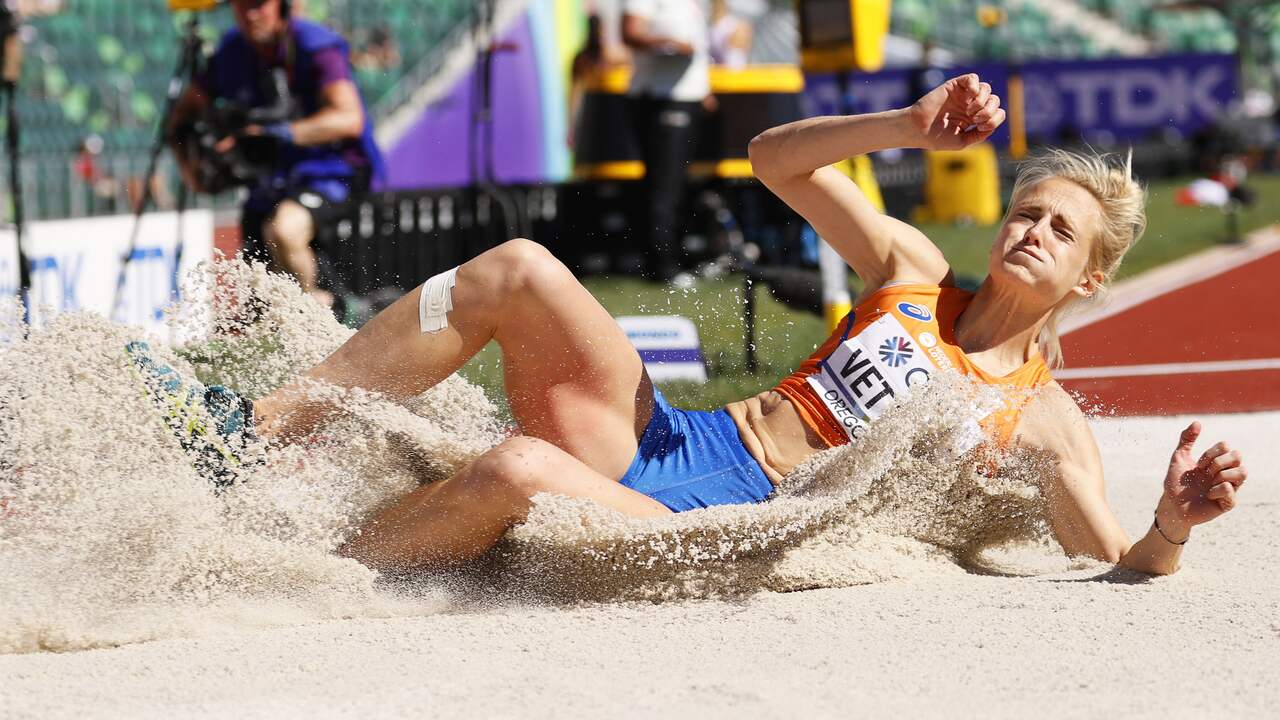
x=1130, y=98
x=668, y=346
x=857, y=93
x=1120, y=98
x=75, y=266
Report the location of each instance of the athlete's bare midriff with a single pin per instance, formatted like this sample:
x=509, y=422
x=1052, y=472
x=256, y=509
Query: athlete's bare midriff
x=774, y=434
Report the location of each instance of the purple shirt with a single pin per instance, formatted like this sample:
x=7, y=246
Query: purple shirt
x=330, y=67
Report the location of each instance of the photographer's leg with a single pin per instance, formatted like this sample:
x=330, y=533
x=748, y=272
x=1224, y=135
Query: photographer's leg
x=289, y=233
x=252, y=234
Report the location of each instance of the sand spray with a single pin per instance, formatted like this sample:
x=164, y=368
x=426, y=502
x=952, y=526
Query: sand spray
x=108, y=535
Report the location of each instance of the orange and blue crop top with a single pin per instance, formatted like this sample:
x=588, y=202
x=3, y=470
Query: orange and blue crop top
x=895, y=339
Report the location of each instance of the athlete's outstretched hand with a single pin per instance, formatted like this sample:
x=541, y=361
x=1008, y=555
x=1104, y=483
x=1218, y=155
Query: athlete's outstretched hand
x=1202, y=489
x=956, y=114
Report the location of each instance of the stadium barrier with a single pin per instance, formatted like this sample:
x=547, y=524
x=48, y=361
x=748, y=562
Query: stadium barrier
x=75, y=266
x=400, y=238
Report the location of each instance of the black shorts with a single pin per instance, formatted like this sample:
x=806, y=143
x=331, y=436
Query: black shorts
x=322, y=210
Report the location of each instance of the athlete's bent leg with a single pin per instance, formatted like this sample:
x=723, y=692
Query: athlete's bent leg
x=572, y=376
x=454, y=521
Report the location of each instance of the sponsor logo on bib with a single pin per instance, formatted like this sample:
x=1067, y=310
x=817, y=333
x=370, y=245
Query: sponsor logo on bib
x=896, y=351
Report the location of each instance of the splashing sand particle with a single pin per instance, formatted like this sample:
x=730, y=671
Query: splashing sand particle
x=107, y=535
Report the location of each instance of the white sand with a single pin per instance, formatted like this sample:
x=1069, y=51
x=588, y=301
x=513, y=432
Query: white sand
x=1204, y=641
x=162, y=599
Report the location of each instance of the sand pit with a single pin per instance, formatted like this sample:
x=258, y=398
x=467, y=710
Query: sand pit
x=130, y=589
x=1203, y=641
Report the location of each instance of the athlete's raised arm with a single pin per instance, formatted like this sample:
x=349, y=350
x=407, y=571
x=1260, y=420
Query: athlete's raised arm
x=794, y=161
x=1195, y=490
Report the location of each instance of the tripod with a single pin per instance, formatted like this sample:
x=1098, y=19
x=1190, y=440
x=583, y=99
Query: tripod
x=12, y=67
x=480, y=137
x=15, y=192
x=183, y=74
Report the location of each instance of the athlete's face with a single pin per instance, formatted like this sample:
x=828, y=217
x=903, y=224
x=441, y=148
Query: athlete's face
x=260, y=20
x=1043, y=248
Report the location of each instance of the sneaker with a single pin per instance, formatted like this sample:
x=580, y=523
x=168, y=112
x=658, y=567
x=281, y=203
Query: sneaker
x=212, y=423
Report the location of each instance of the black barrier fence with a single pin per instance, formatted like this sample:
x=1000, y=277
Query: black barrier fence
x=398, y=239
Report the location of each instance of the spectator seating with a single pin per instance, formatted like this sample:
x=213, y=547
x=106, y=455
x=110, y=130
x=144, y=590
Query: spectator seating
x=95, y=69
x=1021, y=29
x=1175, y=31
x=101, y=67
x=992, y=29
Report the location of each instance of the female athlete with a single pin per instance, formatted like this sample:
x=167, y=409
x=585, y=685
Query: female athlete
x=592, y=425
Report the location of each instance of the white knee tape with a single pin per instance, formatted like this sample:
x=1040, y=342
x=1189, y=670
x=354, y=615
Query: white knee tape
x=436, y=301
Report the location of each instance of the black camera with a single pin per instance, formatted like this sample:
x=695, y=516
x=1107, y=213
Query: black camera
x=252, y=156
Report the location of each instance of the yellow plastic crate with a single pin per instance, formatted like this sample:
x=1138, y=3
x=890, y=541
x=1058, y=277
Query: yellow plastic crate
x=961, y=186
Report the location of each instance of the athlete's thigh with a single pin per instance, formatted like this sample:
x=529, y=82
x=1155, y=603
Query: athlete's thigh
x=453, y=521
x=572, y=376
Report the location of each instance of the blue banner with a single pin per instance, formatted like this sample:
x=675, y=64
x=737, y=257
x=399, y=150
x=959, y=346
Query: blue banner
x=1125, y=98
x=856, y=93
x=1130, y=98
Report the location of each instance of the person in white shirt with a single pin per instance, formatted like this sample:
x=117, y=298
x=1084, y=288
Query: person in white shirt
x=730, y=36
x=671, y=80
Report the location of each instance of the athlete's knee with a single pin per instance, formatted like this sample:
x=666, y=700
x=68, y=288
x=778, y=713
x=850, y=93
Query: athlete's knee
x=290, y=226
x=524, y=248
x=516, y=468
x=500, y=280
x=525, y=264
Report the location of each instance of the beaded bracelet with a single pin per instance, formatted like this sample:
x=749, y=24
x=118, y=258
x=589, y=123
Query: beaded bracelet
x=1156, y=522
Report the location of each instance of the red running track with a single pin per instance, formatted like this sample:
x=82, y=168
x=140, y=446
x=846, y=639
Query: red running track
x=1158, y=353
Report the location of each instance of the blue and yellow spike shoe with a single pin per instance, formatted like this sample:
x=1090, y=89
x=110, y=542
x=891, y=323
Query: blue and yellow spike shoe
x=212, y=424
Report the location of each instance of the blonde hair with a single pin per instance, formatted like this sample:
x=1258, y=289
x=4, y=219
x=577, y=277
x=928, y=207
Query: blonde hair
x=1124, y=219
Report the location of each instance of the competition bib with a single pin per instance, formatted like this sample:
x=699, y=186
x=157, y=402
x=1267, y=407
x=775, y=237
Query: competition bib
x=859, y=380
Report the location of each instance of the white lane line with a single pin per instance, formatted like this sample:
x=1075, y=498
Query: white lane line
x=1215, y=366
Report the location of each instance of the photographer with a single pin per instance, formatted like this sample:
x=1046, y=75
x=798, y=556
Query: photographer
x=300, y=128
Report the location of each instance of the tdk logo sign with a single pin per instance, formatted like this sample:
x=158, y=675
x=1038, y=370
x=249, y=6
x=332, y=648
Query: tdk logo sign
x=1126, y=97
x=1137, y=97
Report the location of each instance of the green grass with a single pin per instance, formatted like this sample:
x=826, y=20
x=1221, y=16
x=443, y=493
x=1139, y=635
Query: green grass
x=786, y=336
x=783, y=337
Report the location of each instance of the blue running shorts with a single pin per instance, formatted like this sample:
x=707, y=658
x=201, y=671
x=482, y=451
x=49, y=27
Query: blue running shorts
x=691, y=459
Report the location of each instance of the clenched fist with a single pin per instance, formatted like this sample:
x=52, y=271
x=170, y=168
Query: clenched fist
x=956, y=114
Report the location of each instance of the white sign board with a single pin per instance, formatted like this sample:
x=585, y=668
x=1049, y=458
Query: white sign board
x=668, y=346
x=75, y=266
